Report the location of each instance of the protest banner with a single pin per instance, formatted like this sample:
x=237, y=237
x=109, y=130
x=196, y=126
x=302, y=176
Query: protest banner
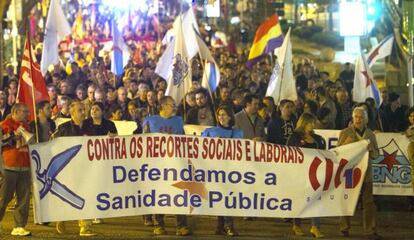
x=391, y=171
x=100, y=177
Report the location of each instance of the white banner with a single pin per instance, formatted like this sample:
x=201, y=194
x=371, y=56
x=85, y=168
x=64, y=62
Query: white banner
x=124, y=128
x=100, y=177
x=391, y=171
x=192, y=129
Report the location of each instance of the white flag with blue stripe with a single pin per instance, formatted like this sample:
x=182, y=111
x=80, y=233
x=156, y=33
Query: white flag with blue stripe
x=365, y=85
x=380, y=51
x=211, y=76
x=120, y=51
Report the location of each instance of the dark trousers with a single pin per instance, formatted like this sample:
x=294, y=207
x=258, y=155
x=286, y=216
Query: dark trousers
x=369, y=212
x=19, y=183
x=224, y=222
x=181, y=220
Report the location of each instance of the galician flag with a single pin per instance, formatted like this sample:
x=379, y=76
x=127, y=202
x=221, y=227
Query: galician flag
x=57, y=28
x=179, y=81
x=365, y=85
x=120, y=51
x=380, y=51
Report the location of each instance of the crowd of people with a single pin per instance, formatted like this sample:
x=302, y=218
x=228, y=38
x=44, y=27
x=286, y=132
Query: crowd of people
x=84, y=90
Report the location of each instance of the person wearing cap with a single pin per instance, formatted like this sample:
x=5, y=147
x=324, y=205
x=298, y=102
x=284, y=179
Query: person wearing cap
x=394, y=114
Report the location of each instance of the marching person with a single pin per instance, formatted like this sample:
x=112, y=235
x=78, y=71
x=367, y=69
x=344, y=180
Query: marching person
x=16, y=168
x=410, y=150
x=226, y=121
x=356, y=132
x=45, y=125
x=280, y=128
x=303, y=136
x=248, y=120
x=166, y=122
x=98, y=125
x=75, y=127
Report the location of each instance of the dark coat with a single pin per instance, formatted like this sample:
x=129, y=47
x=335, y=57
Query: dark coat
x=99, y=130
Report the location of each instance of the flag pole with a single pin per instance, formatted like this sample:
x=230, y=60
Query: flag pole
x=282, y=71
x=204, y=69
x=184, y=97
x=33, y=92
x=410, y=69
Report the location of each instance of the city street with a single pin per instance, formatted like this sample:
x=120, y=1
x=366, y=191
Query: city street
x=394, y=222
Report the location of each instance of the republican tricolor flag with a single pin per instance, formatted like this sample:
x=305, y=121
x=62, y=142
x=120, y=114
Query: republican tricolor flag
x=32, y=86
x=268, y=37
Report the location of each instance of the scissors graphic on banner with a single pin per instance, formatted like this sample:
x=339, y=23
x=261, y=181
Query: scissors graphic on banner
x=48, y=177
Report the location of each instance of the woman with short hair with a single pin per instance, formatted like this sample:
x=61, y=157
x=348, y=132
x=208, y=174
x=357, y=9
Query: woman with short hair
x=96, y=124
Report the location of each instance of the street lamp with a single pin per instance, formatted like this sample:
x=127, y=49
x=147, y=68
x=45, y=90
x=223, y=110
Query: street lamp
x=352, y=24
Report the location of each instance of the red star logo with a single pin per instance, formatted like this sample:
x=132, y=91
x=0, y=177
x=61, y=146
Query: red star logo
x=389, y=159
x=193, y=187
x=373, y=54
x=365, y=73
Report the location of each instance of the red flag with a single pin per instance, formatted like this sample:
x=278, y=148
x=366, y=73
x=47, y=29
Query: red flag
x=31, y=81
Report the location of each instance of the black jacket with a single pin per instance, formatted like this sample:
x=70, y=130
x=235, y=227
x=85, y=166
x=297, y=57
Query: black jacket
x=99, y=130
x=52, y=125
x=278, y=131
x=70, y=129
x=296, y=139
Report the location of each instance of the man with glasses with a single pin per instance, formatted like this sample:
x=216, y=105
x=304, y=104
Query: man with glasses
x=165, y=122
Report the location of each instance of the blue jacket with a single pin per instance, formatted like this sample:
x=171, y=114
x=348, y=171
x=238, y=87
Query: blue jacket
x=222, y=132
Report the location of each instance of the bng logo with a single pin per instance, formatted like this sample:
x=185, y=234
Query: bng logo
x=351, y=174
x=392, y=166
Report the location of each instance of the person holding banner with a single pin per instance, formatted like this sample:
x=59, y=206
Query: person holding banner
x=45, y=125
x=356, y=132
x=249, y=121
x=166, y=122
x=16, y=168
x=280, y=128
x=304, y=137
x=225, y=120
x=97, y=125
x=75, y=127
x=410, y=150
